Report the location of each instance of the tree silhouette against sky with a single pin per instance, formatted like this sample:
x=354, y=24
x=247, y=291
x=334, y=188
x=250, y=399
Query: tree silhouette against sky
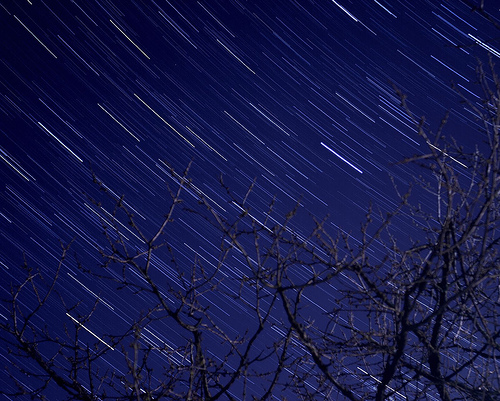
x=322, y=316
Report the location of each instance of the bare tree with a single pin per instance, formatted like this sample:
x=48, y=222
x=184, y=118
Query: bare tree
x=324, y=316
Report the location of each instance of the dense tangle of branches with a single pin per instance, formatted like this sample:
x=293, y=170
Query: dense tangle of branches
x=322, y=316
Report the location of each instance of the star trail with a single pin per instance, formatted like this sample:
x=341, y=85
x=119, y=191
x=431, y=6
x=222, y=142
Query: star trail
x=295, y=96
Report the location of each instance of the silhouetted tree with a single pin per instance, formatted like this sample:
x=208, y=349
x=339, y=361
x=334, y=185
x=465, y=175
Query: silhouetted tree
x=322, y=316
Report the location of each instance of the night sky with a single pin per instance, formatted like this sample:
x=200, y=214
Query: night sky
x=295, y=94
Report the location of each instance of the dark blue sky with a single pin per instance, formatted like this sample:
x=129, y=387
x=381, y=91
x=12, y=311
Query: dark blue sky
x=295, y=93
